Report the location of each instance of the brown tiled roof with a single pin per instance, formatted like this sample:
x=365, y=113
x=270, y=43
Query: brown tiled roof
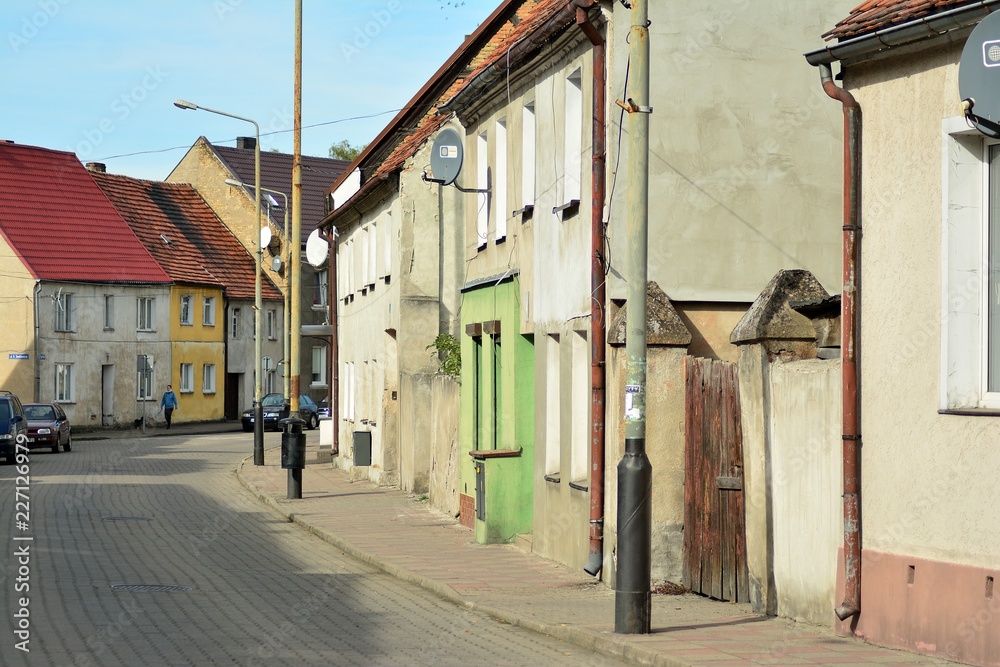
x=276, y=174
x=62, y=226
x=873, y=15
x=185, y=236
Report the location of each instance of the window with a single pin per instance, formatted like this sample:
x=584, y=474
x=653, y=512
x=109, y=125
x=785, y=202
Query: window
x=64, y=383
x=386, y=246
x=580, y=406
x=970, y=323
x=271, y=324
x=573, y=142
x=500, y=182
x=144, y=377
x=234, y=328
x=187, y=378
x=365, y=255
x=322, y=288
x=109, y=312
x=187, y=317
x=528, y=155
x=208, y=312
x=372, y=254
x=482, y=182
x=319, y=366
x=208, y=379
x=269, y=382
x=65, y=312
x=146, y=312
x=553, y=407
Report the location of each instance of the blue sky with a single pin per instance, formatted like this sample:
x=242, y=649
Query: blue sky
x=99, y=78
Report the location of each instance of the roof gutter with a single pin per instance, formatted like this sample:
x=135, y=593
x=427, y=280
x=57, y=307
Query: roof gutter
x=864, y=46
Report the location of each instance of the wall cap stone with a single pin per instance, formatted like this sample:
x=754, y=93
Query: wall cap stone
x=772, y=318
x=663, y=325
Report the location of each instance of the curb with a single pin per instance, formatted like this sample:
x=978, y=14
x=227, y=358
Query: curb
x=586, y=639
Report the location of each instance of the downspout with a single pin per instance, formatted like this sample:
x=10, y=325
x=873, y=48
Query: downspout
x=38, y=360
x=850, y=328
x=333, y=372
x=598, y=294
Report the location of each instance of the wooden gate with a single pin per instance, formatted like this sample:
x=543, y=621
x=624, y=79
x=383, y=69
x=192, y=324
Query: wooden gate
x=715, y=561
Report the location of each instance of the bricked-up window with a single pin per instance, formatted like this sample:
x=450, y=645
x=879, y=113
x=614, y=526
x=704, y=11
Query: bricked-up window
x=500, y=207
x=145, y=313
x=573, y=143
x=528, y=155
x=109, y=311
x=482, y=198
x=187, y=317
x=65, y=306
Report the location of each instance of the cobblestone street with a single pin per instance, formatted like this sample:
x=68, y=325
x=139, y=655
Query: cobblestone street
x=221, y=579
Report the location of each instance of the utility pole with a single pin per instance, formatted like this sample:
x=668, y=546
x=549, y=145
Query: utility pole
x=635, y=474
x=295, y=263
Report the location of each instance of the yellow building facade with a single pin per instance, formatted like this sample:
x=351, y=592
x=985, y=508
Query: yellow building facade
x=198, y=352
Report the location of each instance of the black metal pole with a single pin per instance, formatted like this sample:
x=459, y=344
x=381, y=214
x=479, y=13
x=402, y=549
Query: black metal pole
x=294, y=483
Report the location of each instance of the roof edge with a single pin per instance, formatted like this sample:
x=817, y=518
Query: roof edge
x=925, y=28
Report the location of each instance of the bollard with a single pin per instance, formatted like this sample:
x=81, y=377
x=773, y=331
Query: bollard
x=293, y=454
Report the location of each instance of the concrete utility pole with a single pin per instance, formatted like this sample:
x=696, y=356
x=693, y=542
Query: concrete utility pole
x=635, y=474
x=295, y=263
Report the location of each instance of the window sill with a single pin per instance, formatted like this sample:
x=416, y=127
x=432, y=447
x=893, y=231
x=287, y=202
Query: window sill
x=187, y=324
x=553, y=478
x=569, y=209
x=209, y=393
x=580, y=486
x=971, y=412
x=483, y=454
x=525, y=213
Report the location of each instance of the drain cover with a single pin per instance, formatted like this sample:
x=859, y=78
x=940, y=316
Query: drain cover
x=126, y=518
x=149, y=588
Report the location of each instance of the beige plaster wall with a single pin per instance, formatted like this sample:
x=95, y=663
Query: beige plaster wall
x=926, y=486
x=710, y=325
x=744, y=147
x=17, y=296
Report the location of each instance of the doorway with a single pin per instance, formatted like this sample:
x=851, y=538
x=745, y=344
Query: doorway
x=108, y=395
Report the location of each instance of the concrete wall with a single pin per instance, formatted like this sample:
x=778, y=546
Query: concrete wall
x=806, y=486
x=665, y=449
x=744, y=150
x=443, y=479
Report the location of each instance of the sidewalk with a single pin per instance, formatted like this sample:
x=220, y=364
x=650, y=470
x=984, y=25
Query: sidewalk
x=399, y=534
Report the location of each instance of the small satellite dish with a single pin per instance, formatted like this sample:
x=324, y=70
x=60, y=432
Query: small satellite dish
x=276, y=264
x=979, y=75
x=446, y=157
x=265, y=236
x=317, y=249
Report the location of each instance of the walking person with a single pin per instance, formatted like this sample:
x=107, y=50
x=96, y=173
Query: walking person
x=168, y=404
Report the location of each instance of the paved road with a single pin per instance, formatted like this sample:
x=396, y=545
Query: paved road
x=251, y=589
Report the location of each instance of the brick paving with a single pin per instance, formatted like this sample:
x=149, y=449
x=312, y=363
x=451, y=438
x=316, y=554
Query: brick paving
x=398, y=534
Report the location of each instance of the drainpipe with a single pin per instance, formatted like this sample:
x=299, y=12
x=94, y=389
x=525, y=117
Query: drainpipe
x=850, y=328
x=334, y=364
x=598, y=293
x=38, y=361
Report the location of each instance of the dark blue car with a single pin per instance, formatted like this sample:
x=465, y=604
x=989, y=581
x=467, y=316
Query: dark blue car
x=13, y=426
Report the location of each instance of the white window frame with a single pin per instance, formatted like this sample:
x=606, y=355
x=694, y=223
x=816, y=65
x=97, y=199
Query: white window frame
x=186, y=378
x=144, y=381
x=500, y=207
x=208, y=312
x=965, y=279
x=319, y=357
x=272, y=317
x=321, y=292
x=208, y=379
x=64, y=383
x=65, y=315
x=187, y=310
x=573, y=139
x=145, y=319
x=235, y=324
x=482, y=183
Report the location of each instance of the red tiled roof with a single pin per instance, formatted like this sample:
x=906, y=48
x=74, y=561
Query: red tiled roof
x=185, y=236
x=276, y=174
x=873, y=15
x=62, y=226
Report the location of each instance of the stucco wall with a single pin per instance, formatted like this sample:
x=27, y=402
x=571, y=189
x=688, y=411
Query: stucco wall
x=16, y=293
x=806, y=486
x=924, y=488
x=744, y=148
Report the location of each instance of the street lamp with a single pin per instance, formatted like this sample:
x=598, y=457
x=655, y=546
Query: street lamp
x=288, y=277
x=258, y=416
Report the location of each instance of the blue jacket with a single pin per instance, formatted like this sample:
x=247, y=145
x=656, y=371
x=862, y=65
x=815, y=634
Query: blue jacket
x=169, y=400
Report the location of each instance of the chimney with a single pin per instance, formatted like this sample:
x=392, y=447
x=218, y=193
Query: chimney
x=97, y=167
x=246, y=142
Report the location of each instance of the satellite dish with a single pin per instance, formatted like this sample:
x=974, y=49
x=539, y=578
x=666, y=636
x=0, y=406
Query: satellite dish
x=317, y=249
x=446, y=156
x=276, y=264
x=979, y=75
x=265, y=236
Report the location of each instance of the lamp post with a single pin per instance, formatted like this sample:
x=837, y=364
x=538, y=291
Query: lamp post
x=288, y=278
x=258, y=412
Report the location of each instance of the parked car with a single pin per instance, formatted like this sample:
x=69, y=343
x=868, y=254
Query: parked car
x=324, y=409
x=48, y=426
x=12, y=425
x=275, y=409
